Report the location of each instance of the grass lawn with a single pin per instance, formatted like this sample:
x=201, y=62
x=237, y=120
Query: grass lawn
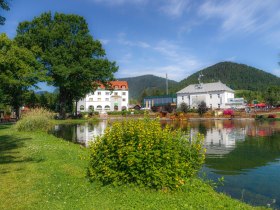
x=40, y=171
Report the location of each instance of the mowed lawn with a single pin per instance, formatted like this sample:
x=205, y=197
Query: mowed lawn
x=40, y=171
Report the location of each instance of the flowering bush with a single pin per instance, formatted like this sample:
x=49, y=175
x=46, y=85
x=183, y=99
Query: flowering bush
x=271, y=116
x=141, y=152
x=228, y=112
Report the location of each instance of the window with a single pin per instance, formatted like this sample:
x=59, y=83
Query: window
x=183, y=98
x=90, y=99
x=107, y=107
x=219, y=106
x=106, y=99
x=99, y=107
x=107, y=93
x=210, y=95
x=123, y=93
x=218, y=95
x=99, y=99
x=123, y=99
x=116, y=87
x=91, y=108
x=99, y=93
x=123, y=87
x=115, y=93
x=82, y=107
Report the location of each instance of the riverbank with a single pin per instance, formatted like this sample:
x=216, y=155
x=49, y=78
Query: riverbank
x=40, y=171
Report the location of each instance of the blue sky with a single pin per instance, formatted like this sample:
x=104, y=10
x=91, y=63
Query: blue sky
x=177, y=37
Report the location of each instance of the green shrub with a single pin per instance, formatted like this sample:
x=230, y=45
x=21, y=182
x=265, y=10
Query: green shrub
x=38, y=119
x=141, y=152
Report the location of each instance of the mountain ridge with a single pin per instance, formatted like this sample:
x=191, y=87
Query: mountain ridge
x=236, y=76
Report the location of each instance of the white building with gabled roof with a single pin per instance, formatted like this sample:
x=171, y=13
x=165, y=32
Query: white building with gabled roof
x=215, y=95
x=104, y=100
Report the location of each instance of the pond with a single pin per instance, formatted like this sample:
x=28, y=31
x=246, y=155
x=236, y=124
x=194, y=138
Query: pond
x=245, y=152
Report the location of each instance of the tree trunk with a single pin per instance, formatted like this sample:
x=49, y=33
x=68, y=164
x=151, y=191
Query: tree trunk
x=76, y=108
x=17, y=112
x=62, y=102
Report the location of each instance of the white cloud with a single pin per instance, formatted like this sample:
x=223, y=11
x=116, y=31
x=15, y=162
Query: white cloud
x=122, y=39
x=276, y=72
x=175, y=8
x=104, y=41
x=119, y=2
x=169, y=57
x=243, y=16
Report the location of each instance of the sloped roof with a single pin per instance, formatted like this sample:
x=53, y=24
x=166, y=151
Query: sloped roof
x=116, y=85
x=206, y=87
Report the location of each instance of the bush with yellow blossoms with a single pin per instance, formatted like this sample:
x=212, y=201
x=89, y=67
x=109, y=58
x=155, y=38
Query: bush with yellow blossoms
x=141, y=152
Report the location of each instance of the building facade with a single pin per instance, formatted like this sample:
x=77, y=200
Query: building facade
x=157, y=101
x=103, y=100
x=215, y=95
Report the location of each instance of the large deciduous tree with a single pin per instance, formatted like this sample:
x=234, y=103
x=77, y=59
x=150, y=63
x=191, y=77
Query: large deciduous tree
x=3, y=5
x=20, y=70
x=73, y=59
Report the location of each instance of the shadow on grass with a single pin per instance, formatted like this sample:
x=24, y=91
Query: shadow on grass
x=5, y=125
x=8, y=149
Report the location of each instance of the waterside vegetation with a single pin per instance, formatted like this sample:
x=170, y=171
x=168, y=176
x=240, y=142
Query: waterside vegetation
x=40, y=171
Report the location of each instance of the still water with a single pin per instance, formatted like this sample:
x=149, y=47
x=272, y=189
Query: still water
x=246, y=153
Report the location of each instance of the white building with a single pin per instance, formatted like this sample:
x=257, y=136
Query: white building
x=103, y=100
x=215, y=95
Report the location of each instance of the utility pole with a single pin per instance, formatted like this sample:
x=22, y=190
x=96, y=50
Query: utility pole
x=166, y=85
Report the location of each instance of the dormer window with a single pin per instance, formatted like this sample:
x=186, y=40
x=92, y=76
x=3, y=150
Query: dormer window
x=123, y=86
x=116, y=87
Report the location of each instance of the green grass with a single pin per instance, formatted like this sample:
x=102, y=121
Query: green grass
x=40, y=171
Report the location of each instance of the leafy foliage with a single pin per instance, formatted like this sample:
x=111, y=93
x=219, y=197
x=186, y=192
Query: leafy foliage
x=74, y=60
x=202, y=108
x=20, y=70
x=141, y=152
x=38, y=119
x=3, y=5
x=272, y=95
x=183, y=107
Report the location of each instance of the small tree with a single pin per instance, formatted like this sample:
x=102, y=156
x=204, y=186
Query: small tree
x=184, y=107
x=202, y=108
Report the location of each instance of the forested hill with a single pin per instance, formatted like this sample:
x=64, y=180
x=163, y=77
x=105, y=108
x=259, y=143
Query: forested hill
x=236, y=76
x=147, y=84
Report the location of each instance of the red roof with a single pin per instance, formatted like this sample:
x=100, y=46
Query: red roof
x=117, y=85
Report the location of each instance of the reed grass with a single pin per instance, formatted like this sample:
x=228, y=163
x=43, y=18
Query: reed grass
x=38, y=119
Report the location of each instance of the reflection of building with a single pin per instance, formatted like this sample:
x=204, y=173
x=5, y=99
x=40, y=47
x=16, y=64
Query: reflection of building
x=221, y=140
x=86, y=133
x=215, y=95
x=106, y=100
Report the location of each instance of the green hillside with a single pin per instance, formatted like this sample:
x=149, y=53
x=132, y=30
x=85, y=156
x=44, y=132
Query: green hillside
x=149, y=83
x=236, y=76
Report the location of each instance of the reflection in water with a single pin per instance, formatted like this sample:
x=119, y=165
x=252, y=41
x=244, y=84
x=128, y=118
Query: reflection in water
x=81, y=134
x=245, y=152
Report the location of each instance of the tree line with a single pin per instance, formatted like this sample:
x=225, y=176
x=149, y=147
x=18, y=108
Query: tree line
x=57, y=49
